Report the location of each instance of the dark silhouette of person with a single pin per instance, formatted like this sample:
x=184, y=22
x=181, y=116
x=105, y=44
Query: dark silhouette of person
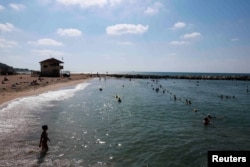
x=44, y=139
x=206, y=121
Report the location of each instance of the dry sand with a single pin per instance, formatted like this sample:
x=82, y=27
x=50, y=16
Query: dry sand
x=16, y=86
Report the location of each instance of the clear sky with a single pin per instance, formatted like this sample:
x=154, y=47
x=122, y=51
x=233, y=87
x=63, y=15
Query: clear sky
x=127, y=35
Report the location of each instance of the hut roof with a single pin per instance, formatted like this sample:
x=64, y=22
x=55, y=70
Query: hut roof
x=51, y=60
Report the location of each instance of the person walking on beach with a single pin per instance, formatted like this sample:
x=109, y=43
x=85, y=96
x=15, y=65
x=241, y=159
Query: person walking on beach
x=44, y=139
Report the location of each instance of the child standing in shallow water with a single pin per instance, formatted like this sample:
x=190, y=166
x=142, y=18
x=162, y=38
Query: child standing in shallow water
x=44, y=138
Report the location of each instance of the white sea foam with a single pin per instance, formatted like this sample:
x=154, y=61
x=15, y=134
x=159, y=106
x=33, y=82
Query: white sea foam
x=15, y=115
x=32, y=102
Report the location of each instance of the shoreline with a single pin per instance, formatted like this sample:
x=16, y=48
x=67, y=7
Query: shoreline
x=21, y=85
x=23, y=89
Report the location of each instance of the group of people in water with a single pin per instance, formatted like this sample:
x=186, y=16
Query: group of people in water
x=206, y=120
x=118, y=98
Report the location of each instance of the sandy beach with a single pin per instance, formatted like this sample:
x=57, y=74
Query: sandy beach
x=21, y=85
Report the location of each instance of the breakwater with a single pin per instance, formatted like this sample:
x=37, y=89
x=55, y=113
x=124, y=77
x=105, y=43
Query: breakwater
x=244, y=77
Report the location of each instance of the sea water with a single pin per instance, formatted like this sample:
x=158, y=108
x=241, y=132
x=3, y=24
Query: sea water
x=88, y=126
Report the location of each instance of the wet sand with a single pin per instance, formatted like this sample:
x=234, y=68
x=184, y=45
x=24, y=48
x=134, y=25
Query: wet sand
x=21, y=85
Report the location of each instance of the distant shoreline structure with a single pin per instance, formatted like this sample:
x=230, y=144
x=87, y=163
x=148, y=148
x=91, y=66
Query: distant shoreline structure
x=191, y=76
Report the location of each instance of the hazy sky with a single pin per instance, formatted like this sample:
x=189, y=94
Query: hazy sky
x=127, y=35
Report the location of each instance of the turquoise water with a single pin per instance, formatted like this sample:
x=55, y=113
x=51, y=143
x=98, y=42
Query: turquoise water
x=89, y=127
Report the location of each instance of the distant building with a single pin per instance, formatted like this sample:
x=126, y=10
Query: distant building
x=6, y=70
x=51, y=67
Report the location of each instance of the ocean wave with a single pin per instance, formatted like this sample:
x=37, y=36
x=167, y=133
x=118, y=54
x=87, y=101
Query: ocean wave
x=32, y=102
x=18, y=114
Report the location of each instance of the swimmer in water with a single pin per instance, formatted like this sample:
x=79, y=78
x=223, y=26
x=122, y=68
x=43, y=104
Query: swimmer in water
x=44, y=138
x=206, y=121
x=209, y=116
x=175, y=98
x=119, y=100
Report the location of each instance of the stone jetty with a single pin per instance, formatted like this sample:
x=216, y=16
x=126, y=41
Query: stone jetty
x=244, y=77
